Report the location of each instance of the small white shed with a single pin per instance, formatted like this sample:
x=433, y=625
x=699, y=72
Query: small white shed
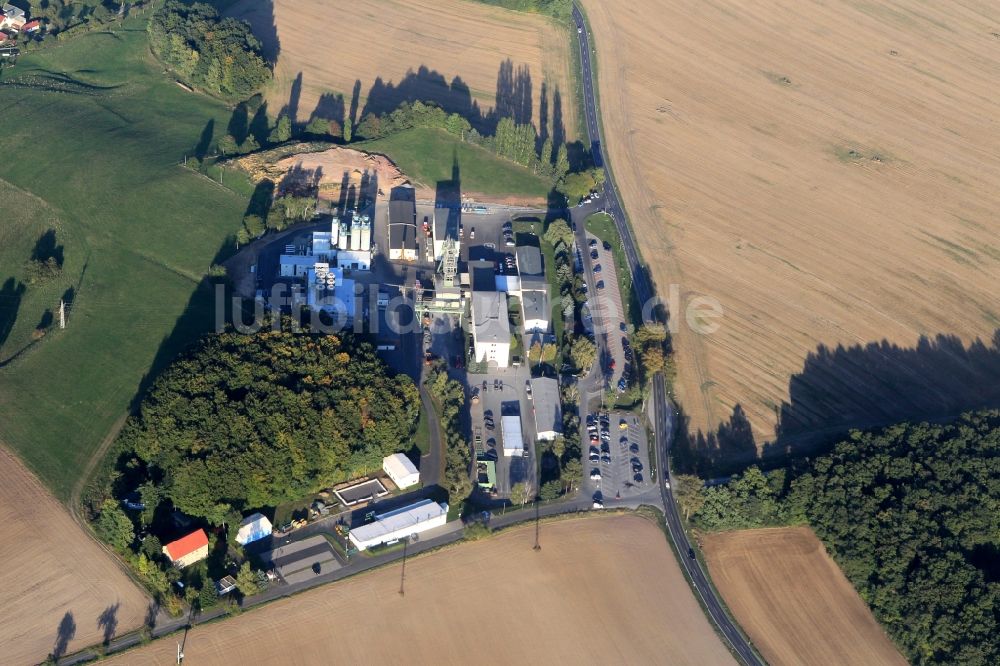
x=402, y=472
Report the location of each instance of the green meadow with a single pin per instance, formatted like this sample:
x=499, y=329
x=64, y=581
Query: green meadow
x=93, y=136
x=426, y=155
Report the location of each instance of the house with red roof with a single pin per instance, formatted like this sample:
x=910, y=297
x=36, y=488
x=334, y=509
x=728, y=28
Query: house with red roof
x=32, y=26
x=188, y=549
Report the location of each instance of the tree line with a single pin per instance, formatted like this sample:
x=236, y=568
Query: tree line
x=218, y=55
x=911, y=514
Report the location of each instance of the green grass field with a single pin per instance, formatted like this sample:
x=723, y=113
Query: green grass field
x=93, y=133
x=425, y=155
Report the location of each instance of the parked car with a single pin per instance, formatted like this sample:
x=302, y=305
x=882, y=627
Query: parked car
x=593, y=254
x=595, y=474
x=597, y=268
x=607, y=246
x=472, y=232
x=634, y=448
x=593, y=242
x=600, y=284
x=637, y=478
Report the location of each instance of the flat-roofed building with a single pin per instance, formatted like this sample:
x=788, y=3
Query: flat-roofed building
x=402, y=224
x=546, y=407
x=402, y=472
x=399, y=524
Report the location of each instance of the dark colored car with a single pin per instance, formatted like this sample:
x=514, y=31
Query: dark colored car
x=637, y=477
x=593, y=242
x=597, y=268
x=607, y=246
x=593, y=254
x=600, y=284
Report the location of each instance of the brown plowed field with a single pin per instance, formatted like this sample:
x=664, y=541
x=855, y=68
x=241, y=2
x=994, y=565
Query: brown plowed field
x=601, y=590
x=793, y=601
x=332, y=45
x=53, y=575
x=830, y=172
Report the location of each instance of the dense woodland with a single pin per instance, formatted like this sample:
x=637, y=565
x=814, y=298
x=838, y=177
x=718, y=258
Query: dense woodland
x=218, y=55
x=912, y=516
x=249, y=421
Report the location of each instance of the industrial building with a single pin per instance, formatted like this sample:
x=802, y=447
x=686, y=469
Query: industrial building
x=188, y=549
x=490, y=328
x=253, y=528
x=513, y=439
x=446, y=221
x=546, y=407
x=399, y=524
x=402, y=224
x=402, y=472
x=328, y=290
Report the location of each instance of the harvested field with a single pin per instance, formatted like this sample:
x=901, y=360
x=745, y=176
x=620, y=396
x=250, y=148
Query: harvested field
x=831, y=174
x=793, y=601
x=555, y=598
x=54, y=580
x=453, y=52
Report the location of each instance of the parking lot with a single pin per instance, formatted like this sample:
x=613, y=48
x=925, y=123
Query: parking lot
x=504, y=395
x=607, y=309
x=616, y=464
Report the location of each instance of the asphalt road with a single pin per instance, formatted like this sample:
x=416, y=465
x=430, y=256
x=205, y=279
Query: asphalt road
x=663, y=409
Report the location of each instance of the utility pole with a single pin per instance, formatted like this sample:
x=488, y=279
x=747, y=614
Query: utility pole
x=62, y=313
x=537, y=545
x=402, y=573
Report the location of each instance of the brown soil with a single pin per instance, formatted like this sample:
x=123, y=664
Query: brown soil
x=830, y=172
x=449, y=51
x=324, y=170
x=793, y=601
x=600, y=590
x=53, y=574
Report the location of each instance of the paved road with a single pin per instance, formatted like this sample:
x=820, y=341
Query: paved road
x=663, y=409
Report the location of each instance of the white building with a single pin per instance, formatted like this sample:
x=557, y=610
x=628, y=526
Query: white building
x=253, y=528
x=491, y=327
x=399, y=524
x=446, y=221
x=546, y=407
x=535, y=311
x=357, y=260
x=513, y=439
x=402, y=472
x=327, y=289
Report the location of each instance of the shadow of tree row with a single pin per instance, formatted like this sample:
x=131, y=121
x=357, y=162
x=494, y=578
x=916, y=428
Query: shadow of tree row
x=857, y=387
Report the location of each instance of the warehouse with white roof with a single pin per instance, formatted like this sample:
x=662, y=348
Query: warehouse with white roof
x=402, y=472
x=399, y=524
x=513, y=440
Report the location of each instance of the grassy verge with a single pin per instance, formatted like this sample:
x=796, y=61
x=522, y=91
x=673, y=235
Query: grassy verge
x=98, y=133
x=427, y=155
x=422, y=437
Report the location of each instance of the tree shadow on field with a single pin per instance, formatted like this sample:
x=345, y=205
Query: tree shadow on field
x=205, y=140
x=857, y=387
x=65, y=632
x=47, y=247
x=107, y=621
x=11, y=294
